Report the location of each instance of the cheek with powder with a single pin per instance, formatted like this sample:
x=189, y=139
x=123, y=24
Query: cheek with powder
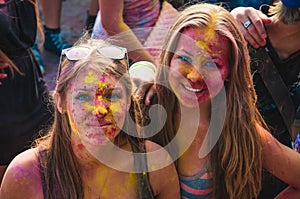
x=111, y=132
x=118, y=110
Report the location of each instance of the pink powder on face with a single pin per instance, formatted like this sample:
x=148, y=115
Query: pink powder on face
x=110, y=133
x=80, y=146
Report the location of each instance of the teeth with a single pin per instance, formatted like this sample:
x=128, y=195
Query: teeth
x=192, y=89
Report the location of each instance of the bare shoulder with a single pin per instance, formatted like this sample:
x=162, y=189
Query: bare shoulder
x=22, y=178
x=162, y=172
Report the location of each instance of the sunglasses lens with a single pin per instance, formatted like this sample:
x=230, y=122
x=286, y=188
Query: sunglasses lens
x=112, y=52
x=77, y=53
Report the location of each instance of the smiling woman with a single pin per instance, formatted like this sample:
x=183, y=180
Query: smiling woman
x=204, y=66
x=92, y=133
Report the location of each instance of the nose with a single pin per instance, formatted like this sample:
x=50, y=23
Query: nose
x=194, y=75
x=101, y=107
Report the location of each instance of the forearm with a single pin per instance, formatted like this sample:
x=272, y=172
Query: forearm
x=125, y=37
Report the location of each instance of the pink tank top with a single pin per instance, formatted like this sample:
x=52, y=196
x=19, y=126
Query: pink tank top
x=138, y=15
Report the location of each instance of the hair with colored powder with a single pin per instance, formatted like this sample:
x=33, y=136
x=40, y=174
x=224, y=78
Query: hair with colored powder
x=61, y=165
x=236, y=159
x=284, y=14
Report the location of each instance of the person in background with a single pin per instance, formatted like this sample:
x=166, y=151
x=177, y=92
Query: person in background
x=204, y=74
x=123, y=18
x=26, y=106
x=54, y=42
x=279, y=93
x=93, y=149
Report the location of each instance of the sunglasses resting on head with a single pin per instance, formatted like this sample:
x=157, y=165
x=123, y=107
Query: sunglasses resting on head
x=76, y=53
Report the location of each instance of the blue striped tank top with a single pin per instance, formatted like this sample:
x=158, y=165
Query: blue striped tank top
x=198, y=186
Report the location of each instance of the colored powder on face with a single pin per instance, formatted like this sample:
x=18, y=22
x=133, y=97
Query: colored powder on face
x=103, y=79
x=194, y=75
x=73, y=126
x=88, y=107
x=95, y=109
x=80, y=146
x=90, y=78
x=209, y=33
x=101, y=87
x=117, y=110
x=100, y=110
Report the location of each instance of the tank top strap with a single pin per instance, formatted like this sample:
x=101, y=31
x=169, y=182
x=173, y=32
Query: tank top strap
x=140, y=163
x=41, y=157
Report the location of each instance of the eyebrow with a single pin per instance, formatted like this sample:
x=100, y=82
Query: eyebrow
x=110, y=89
x=184, y=51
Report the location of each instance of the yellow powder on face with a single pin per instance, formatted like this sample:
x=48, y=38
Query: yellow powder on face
x=95, y=109
x=100, y=109
x=90, y=78
x=115, y=108
x=73, y=126
x=88, y=107
x=209, y=33
x=192, y=75
x=101, y=86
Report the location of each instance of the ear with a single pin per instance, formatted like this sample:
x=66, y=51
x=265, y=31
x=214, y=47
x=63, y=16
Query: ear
x=58, y=103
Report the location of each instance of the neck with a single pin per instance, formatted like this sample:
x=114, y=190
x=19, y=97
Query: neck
x=284, y=37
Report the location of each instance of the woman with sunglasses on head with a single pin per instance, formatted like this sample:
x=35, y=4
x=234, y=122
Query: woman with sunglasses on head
x=25, y=104
x=94, y=149
x=204, y=79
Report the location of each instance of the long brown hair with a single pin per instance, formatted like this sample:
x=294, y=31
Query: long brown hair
x=12, y=67
x=236, y=159
x=61, y=165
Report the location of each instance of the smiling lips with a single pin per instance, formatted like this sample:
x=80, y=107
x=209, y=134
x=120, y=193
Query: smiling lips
x=194, y=90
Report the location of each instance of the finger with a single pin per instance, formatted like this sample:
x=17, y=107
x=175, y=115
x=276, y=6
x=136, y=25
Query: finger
x=150, y=94
x=241, y=17
x=141, y=91
x=248, y=37
x=257, y=29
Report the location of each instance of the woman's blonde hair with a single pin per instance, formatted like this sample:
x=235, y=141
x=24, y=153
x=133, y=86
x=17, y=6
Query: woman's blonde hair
x=61, y=165
x=236, y=158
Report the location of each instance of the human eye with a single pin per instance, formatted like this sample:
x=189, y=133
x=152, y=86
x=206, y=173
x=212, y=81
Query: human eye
x=83, y=97
x=114, y=96
x=185, y=59
x=211, y=64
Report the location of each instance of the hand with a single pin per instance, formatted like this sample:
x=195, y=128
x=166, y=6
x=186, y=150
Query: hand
x=142, y=75
x=2, y=74
x=144, y=89
x=254, y=32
